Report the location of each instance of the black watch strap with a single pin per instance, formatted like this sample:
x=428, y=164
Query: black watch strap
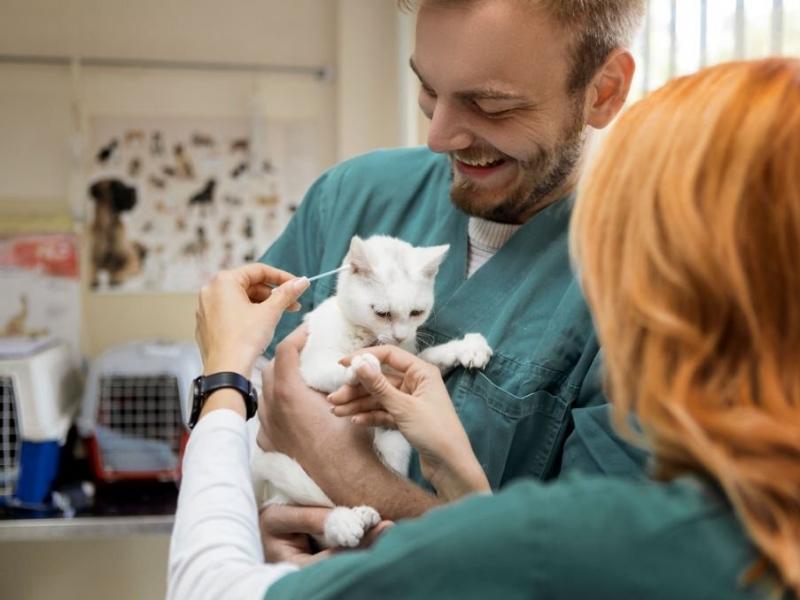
x=205, y=384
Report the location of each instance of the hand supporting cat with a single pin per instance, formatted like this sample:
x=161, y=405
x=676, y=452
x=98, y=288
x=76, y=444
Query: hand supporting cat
x=382, y=299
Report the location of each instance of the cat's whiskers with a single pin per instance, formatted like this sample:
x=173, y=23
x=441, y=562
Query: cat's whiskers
x=425, y=339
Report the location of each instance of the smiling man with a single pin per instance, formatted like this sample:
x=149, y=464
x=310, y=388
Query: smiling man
x=512, y=128
x=513, y=89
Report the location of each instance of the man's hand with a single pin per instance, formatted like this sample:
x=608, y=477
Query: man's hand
x=338, y=455
x=295, y=419
x=286, y=533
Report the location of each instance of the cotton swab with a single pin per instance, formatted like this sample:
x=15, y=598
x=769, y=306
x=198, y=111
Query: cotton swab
x=320, y=276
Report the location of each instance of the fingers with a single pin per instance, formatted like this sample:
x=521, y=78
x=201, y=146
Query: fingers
x=375, y=418
x=303, y=560
x=374, y=533
x=258, y=293
x=348, y=393
x=285, y=520
x=379, y=388
x=285, y=295
x=362, y=404
x=253, y=274
x=395, y=357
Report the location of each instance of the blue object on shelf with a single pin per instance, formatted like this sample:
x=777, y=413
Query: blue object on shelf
x=38, y=466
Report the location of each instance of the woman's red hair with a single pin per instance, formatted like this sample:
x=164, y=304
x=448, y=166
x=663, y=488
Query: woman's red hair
x=687, y=236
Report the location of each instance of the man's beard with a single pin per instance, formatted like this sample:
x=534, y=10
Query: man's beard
x=542, y=174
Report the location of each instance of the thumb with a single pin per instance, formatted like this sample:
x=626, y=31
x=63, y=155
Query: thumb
x=375, y=383
x=283, y=296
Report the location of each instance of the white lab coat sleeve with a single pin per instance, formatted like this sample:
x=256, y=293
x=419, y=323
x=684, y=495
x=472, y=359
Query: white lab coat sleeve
x=216, y=551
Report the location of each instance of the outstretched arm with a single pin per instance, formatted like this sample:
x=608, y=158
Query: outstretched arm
x=214, y=550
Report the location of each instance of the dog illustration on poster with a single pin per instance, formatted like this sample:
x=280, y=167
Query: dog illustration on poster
x=111, y=250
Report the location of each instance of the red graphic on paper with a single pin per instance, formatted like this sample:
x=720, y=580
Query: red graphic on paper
x=53, y=255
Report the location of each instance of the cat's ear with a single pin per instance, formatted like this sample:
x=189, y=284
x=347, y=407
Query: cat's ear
x=357, y=257
x=431, y=259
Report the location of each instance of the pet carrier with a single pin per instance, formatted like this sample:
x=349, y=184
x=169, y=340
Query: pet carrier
x=135, y=409
x=39, y=390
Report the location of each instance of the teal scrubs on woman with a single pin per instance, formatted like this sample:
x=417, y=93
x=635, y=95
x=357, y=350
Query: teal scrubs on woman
x=524, y=300
x=593, y=537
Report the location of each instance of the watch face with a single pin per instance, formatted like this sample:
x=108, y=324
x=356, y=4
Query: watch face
x=197, y=400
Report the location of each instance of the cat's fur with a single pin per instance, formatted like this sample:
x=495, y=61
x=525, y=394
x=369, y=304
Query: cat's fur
x=382, y=299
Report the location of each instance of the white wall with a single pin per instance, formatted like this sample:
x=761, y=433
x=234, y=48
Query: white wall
x=35, y=102
x=369, y=86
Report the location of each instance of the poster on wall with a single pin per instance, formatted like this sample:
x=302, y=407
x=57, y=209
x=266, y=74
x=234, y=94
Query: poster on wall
x=41, y=288
x=174, y=200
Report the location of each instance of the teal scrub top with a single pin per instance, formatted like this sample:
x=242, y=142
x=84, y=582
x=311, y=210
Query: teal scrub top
x=579, y=537
x=603, y=531
x=595, y=448
x=524, y=300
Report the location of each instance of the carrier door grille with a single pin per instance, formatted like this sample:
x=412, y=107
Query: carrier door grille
x=9, y=438
x=141, y=416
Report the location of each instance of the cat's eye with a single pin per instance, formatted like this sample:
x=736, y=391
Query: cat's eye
x=416, y=313
x=383, y=315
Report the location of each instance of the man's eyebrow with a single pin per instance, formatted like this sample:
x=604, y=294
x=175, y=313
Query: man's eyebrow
x=416, y=71
x=486, y=93
x=489, y=94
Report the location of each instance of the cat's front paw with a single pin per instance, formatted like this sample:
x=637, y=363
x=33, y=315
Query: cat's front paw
x=360, y=359
x=345, y=527
x=324, y=380
x=474, y=351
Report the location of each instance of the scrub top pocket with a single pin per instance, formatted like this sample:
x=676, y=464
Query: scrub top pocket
x=504, y=427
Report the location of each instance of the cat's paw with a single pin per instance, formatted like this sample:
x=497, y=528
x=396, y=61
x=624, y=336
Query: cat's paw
x=325, y=380
x=368, y=515
x=361, y=359
x=345, y=527
x=474, y=351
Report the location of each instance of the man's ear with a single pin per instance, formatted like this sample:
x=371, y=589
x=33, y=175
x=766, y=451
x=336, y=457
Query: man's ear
x=609, y=89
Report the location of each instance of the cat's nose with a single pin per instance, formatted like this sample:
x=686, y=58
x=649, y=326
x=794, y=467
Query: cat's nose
x=400, y=334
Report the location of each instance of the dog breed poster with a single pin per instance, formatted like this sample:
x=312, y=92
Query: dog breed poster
x=173, y=201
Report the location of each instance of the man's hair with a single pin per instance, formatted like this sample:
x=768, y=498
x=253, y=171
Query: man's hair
x=598, y=27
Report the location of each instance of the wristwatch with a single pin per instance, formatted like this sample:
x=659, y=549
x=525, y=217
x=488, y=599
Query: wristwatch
x=205, y=384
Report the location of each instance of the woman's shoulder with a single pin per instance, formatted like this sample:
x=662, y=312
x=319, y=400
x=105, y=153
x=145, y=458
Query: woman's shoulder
x=636, y=538
x=627, y=509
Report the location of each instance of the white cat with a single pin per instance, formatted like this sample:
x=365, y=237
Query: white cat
x=382, y=299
